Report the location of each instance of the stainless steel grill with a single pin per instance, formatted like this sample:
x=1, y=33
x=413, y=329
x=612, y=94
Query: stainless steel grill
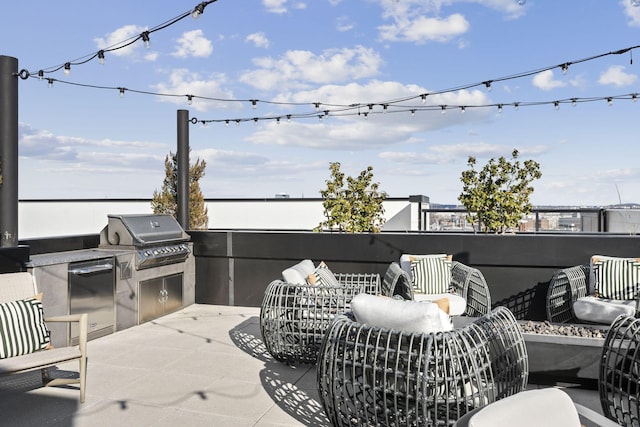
x=156, y=239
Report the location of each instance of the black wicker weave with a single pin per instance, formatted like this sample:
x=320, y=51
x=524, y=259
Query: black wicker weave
x=294, y=318
x=565, y=287
x=469, y=283
x=619, y=381
x=374, y=376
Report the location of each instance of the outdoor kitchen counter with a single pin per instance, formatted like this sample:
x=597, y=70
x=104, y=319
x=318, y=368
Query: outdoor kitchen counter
x=71, y=256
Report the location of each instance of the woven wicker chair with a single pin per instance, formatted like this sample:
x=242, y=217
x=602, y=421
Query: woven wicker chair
x=619, y=380
x=18, y=286
x=569, y=285
x=375, y=376
x=294, y=317
x=467, y=282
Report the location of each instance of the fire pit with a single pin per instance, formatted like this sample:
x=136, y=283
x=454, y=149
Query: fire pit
x=564, y=352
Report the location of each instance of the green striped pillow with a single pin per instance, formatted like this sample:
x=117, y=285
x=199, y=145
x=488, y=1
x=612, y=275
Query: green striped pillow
x=431, y=275
x=617, y=278
x=22, y=328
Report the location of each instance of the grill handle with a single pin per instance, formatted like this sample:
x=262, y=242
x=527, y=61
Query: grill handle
x=91, y=269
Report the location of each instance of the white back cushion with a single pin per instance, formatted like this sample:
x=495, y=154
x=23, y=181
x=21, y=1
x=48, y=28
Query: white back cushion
x=400, y=315
x=299, y=272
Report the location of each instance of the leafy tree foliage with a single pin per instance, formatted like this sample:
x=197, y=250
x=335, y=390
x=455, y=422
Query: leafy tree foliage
x=497, y=196
x=355, y=208
x=166, y=201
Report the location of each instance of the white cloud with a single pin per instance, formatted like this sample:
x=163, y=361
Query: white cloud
x=423, y=29
x=615, y=75
x=258, y=39
x=120, y=37
x=441, y=154
x=347, y=128
x=183, y=82
x=193, y=44
x=344, y=24
x=545, y=81
x=275, y=6
x=300, y=67
x=632, y=12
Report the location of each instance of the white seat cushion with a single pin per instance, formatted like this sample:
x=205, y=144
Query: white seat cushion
x=457, y=304
x=549, y=407
x=601, y=310
x=399, y=315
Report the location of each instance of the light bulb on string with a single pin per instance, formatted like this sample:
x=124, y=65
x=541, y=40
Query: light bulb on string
x=288, y=118
x=384, y=108
x=278, y=120
x=413, y=113
x=197, y=11
x=101, y=57
x=634, y=97
x=565, y=68
x=67, y=68
x=443, y=109
x=463, y=109
x=40, y=75
x=189, y=99
x=317, y=105
x=121, y=89
x=424, y=98
x=516, y=106
x=487, y=84
x=145, y=39
x=499, y=108
x=50, y=83
x=254, y=103
x=609, y=102
x=226, y=123
x=574, y=102
x=556, y=105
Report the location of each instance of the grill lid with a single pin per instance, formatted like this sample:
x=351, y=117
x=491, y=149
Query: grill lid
x=142, y=230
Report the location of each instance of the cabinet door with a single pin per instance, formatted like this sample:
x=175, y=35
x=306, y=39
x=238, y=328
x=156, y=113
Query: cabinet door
x=152, y=299
x=173, y=289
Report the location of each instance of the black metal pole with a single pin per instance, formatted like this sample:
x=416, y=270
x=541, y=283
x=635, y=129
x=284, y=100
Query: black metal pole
x=183, y=169
x=8, y=151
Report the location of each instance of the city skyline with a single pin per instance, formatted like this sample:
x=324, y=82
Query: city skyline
x=80, y=140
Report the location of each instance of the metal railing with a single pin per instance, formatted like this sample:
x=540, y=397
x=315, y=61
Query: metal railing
x=540, y=220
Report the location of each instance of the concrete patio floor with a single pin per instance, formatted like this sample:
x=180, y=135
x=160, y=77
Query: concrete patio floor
x=204, y=365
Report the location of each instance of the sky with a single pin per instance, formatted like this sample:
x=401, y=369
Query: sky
x=367, y=64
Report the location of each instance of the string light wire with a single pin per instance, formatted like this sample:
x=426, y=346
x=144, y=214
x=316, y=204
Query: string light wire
x=144, y=36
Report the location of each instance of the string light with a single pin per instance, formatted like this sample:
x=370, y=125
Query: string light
x=189, y=99
x=444, y=109
x=565, y=68
x=122, y=92
x=463, y=109
x=609, y=101
x=499, y=108
x=67, y=68
x=488, y=85
x=254, y=103
x=144, y=36
x=556, y=105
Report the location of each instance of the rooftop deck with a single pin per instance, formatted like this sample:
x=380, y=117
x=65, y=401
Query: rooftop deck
x=204, y=365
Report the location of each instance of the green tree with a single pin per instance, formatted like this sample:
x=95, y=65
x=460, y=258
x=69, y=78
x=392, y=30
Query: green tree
x=355, y=208
x=166, y=201
x=497, y=197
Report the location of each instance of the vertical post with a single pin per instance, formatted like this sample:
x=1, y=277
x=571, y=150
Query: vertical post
x=182, y=157
x=9, y=151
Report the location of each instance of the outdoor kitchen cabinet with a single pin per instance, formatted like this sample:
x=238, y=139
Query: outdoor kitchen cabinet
x=160, y=296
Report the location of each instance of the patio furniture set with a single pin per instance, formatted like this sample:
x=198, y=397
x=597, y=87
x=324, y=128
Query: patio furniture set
x=423, y=346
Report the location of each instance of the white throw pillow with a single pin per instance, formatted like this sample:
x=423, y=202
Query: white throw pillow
x=298, y=273
x=400, y=315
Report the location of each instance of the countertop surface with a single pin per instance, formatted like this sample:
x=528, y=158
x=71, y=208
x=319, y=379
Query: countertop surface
x=72, y=256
